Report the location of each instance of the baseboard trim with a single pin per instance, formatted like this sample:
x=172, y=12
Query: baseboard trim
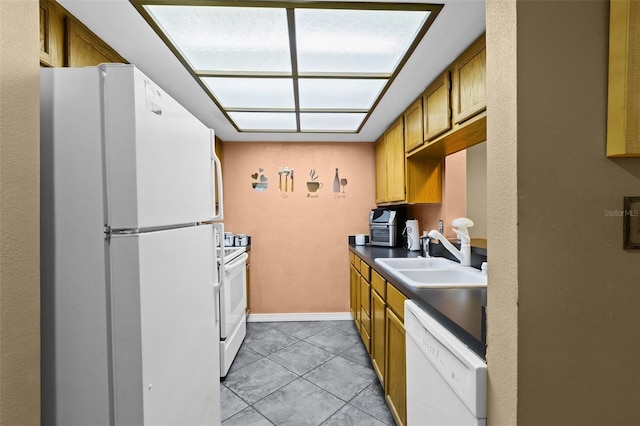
x=313, y=316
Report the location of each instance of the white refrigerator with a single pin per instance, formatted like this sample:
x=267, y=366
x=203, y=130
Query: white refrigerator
x=130, y=331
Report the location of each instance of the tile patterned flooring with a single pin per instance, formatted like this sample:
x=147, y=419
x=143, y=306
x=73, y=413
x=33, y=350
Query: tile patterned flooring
x=303, y=373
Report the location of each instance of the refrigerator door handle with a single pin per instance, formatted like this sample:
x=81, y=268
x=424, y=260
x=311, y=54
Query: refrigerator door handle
x=217, y=180
x=219, y=229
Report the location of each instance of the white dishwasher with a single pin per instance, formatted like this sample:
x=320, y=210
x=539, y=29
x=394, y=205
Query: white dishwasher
x=446, y=381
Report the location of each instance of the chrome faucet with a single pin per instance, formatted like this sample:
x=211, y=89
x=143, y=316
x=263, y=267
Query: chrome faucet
x=464, y=254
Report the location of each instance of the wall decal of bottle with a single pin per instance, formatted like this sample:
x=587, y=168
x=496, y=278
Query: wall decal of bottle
x=336, y=182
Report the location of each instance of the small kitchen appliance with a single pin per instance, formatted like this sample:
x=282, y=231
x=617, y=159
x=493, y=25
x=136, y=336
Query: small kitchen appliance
x=411, y=235
x=385, y=226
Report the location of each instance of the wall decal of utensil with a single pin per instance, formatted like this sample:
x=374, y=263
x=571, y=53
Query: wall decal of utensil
x=286, y=172
x=291, y=179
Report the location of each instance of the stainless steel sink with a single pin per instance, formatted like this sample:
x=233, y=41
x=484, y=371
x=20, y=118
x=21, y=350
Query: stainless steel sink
x=432, y=273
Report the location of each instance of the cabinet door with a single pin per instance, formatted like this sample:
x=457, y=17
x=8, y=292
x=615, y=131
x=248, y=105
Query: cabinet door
x=378, y=307
x=437, y=107
x=355, y=295
x=469, y=87
x=413, y=126
x=395, y=381
x=86, y=49
x=394, y=150
x=365, y=305
x=53, y=28
x=381, y=171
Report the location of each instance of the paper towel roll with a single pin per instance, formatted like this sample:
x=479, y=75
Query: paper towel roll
x=412, y=235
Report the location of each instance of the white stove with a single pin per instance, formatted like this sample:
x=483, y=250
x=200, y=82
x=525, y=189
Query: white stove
x=232, y=270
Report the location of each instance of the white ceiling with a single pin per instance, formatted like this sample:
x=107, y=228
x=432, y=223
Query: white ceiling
x=118, y=23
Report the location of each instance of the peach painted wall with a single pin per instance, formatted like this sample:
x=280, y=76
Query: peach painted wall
x=454, y=198
x=299, y=253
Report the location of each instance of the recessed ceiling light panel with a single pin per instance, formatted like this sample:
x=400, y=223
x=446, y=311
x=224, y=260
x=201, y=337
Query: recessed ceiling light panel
x=291, y=66
x=354, y=41
x=254, y=92
x=228, y=39
x=265, y=121
x=335, y=93
x=330, y=122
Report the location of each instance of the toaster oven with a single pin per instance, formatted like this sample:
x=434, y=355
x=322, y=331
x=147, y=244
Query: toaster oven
x=385, y=226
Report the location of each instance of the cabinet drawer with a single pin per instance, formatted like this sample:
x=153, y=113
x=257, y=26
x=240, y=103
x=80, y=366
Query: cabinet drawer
x=395, y=301
x=365, y=296
x=365, y=270
x=378, y=284
x=352, y=258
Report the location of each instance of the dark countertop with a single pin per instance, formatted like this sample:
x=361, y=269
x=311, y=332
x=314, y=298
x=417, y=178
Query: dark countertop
x=460, y=310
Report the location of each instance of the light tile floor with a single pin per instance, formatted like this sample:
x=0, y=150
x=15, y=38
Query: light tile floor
x=303, y=373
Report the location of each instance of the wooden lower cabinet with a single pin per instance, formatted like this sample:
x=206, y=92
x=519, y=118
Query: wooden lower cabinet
x=395, y=381
x=378, y=310
x=354, y=306
x=365, y=309
x=378, y=338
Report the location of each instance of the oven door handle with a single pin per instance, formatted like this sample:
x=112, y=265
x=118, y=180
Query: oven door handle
x=235, y=263
x=216, y=297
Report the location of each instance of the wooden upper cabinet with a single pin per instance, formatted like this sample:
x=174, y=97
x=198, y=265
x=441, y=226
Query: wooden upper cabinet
x=45, y=28
x=381, y=171
x=469, y=82
x=394, y=152
x=65, y=42
x=53, y=24
x=623, y=131
x=390, y=159
x=424, y=179
x=413, y=126
x=437, y=107
x=86, y=49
